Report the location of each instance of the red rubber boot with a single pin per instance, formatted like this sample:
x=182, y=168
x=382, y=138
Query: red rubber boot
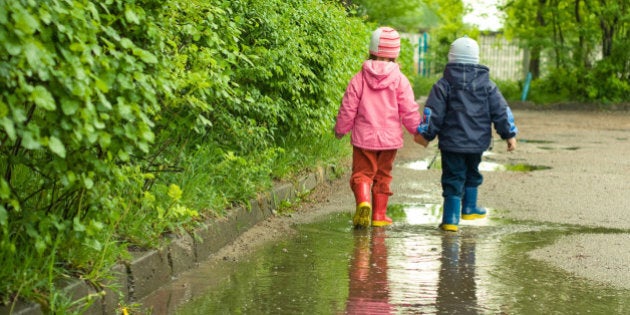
x=379, y=216
x=361, y=217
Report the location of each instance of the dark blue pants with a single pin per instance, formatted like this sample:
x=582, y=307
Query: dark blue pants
x=460, y=170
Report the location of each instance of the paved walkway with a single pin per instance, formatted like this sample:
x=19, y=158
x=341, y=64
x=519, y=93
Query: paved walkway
x=587, y=184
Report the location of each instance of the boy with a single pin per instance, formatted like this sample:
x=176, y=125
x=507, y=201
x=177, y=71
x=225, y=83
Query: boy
x=460, y=110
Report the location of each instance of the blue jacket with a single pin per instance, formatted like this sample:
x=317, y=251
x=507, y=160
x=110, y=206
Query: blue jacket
x=462, y=107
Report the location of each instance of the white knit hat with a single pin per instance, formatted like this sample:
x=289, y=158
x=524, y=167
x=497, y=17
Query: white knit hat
x=385, y=43
x=464, y=50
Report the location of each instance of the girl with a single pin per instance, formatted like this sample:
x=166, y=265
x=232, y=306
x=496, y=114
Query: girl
x=377, y=102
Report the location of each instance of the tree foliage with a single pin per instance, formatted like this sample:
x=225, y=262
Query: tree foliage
x=443, y=20
x=404, y=15
x=584, y=44
x=122, y=120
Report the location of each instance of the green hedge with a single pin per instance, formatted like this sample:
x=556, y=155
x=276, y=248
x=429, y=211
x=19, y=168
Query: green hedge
x=122, y=120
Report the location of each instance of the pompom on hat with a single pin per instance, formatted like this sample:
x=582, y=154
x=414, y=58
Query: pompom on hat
x=464, y=50
x=385, y=43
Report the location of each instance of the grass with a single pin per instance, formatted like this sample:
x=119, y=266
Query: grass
x=207, y=183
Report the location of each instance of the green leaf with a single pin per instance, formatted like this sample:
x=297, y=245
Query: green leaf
x=57, y=147
x=40, y=245
x=104, y=140
x=9, y=128
x=45, y=16
x=25, y=22
x=174, y=192
x=131, y=16
x=98, y=124
x=93, y=243
x=60, y=225
x=124, y=110
x=148, y=135
x=4, y=216
x=69, y=106
x=126, y=43
x=4, y=19
x=14, y=48
x=145, y=55
x=33, y=54
x=123, y=155
x=101, y=85
x=5, y=190
x=88, y=182
x=68, y=178
x=104, y=101
x=77, y=225
x=76, y=47
x=29, y=141
x=96, y=226
x=43, y=98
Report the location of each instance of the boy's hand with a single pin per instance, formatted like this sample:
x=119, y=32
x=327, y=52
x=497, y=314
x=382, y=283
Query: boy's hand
x=338, y=135
x=511, y=144
x=419, y=139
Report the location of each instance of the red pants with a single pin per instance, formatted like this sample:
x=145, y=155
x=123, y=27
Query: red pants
x=373, y=167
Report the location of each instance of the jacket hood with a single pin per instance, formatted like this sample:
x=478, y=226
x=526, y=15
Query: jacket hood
x=462, y=75
x=381, y=74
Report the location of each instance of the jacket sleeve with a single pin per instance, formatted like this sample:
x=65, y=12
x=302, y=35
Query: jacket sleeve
x=349, y=105
x=436, y=103
x=501, y=114
x=407, y=106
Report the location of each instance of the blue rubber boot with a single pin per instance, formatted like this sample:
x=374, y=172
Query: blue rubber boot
x=450, y=213
x=470, y=211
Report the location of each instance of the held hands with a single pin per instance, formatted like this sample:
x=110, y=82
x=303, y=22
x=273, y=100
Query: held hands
x=419, y=139
x=511, y=144
x=423, y=127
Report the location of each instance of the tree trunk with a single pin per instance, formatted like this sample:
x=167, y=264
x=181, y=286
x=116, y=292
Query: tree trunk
x=534, y=62
x=608, y=31
x=579, y=57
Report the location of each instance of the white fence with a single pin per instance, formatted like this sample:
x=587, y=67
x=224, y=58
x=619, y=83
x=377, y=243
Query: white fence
x=505, y=59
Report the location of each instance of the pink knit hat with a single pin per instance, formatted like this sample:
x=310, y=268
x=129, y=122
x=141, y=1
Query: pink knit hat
x=385, y=43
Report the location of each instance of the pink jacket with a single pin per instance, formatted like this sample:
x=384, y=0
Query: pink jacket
x=377, y=103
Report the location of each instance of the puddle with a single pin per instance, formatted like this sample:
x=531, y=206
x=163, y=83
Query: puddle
x=535, y=141
x=547, y=148
x=491, y=166
x=484, y=166
x=418, y=165
x=429, y=214
x=408, y=268
x=423, y=165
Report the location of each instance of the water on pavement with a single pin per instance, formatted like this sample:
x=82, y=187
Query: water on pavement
x=409, y=268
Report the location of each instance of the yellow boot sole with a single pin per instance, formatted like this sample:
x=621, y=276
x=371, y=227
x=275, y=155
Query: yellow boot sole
x=449, y=227
x=381, y=223
x=472, y=216
x=362, y=216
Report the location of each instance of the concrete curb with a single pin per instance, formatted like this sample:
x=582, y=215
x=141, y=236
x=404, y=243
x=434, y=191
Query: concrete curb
x=149, y=270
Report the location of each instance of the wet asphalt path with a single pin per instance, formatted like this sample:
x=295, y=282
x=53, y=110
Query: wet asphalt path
x=555, y=236
x=587, y=184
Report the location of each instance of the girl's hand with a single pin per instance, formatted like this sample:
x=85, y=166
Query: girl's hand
x=419, y=139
